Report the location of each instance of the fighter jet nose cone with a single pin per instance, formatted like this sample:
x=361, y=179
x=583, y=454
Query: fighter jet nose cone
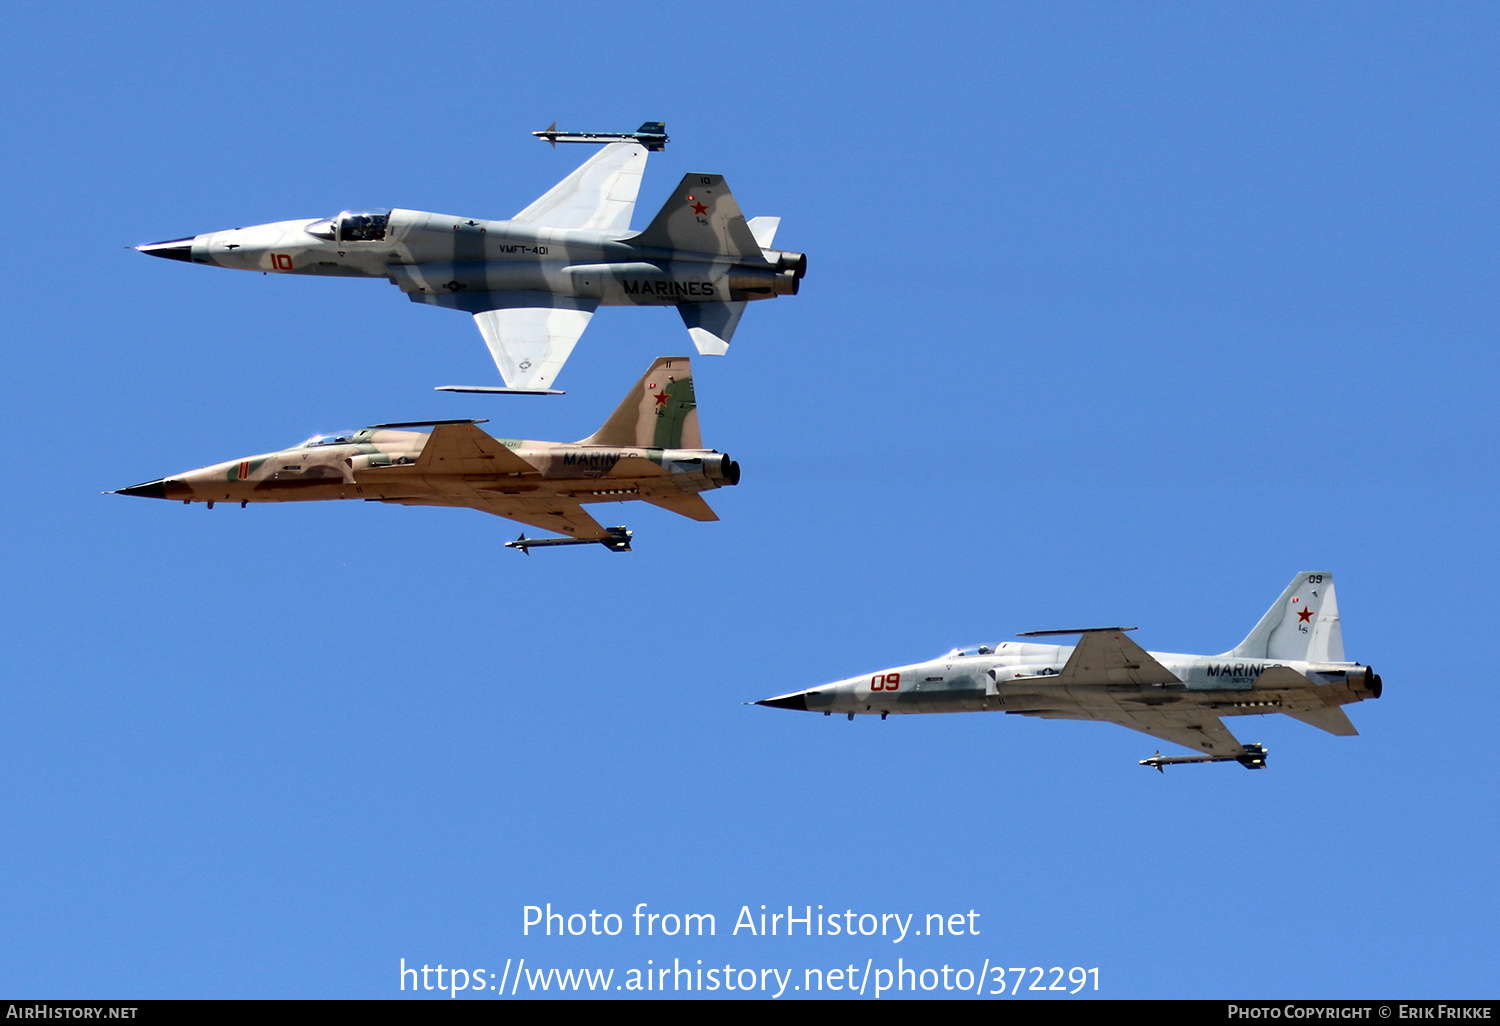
x=149, y=490
x=173, y=249
x=798, y=701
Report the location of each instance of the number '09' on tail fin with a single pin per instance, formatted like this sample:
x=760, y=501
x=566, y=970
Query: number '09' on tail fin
x=1303, y=624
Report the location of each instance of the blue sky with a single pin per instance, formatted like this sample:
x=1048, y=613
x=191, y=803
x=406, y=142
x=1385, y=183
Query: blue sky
x=1113, y=314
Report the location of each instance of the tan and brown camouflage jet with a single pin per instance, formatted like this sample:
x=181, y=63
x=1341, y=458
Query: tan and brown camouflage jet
x=650, y=448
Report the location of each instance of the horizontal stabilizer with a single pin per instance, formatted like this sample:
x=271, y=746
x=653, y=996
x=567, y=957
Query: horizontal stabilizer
x=691, y=506
x=1280, y=677
x=639, y=466
x=711, y=325
x=764, y=230
x=1330, y=718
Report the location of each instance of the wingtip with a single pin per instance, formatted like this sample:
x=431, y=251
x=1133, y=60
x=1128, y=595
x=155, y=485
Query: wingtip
x=707, y=343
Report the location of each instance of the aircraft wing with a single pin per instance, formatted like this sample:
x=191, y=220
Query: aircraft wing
x=562, y=515
x=1192, y=728
x=466, y=449
x=1109, y=657
x=530, y=334
x=550, y=513
x=600, y=194
x=1188, y=725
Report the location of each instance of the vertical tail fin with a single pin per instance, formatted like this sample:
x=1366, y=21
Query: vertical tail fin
x=659, y=412
x=1303, y=624
x=701, y=217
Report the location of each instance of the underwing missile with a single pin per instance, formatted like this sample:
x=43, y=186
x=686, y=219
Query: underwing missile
x=651, y=134
x=1253, y=757
x=618, y=541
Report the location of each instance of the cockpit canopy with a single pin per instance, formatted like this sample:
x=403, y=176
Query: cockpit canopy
x=352, y=226
x=332, y=438
x=973, y=650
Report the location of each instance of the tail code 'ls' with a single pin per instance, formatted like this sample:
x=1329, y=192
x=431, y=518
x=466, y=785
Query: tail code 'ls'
x=1303, y=624
x=701, y=217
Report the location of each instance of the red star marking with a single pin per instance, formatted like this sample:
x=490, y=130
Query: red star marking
x=699, y=208
x=1305, y=615
x=662, y=397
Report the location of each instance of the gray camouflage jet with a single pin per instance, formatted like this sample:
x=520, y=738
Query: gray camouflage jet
x=533, y=282
x=649, y=449
x=1292, y=663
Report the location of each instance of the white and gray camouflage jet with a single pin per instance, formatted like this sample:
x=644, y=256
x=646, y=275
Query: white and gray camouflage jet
x=1292, y=662
x=532, y=282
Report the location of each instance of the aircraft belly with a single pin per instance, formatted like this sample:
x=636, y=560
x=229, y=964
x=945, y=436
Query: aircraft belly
x=459, y=278
x=479, y=490
x=469, y=286
x=958, y=694
x=474, y=481
x=459, y=492
x=1111, y=703
x=954, y=702
x=337, y=269
x=299, y=483
x=1247, y=704
x=446, y=238
x=306, y=492
x=286, y=489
